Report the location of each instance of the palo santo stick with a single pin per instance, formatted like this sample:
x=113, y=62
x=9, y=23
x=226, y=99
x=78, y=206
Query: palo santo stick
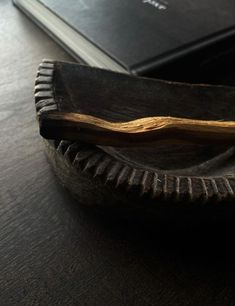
x=140, y=132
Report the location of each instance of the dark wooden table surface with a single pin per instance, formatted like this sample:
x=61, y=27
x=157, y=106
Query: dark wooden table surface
x=55, y=252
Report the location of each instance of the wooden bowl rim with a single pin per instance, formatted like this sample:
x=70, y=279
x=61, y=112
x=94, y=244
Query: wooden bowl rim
x=97, y=162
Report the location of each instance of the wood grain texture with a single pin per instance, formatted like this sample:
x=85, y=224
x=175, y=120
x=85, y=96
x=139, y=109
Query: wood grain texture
x=52, y=251
x=149, y=131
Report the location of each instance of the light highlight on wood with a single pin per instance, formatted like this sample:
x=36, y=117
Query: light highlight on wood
x=143, y=131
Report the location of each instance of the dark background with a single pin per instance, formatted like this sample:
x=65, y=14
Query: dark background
x=55, y=252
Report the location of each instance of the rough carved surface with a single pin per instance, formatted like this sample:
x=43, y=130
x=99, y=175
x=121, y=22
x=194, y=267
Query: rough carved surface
x=119, y=171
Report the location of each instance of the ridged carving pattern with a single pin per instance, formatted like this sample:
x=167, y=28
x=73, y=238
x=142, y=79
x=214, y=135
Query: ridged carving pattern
x=96, y=162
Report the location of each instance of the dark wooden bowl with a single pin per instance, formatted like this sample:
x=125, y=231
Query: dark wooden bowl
x=167, y=178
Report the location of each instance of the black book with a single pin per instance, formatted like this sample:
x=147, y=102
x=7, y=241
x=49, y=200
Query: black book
x=143, y=37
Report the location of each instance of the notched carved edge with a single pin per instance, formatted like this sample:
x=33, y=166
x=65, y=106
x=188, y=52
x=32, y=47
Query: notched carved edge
x=144, y=183
x=44, y=93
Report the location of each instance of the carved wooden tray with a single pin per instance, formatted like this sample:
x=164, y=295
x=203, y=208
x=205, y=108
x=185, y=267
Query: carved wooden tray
x=145, y=177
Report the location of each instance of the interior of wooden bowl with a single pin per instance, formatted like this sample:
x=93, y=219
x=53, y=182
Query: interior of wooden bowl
x=119, y=97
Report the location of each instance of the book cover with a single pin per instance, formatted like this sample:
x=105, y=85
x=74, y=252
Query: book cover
x=144, y=35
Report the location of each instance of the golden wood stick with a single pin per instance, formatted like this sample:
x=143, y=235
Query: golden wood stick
x=143, y=131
